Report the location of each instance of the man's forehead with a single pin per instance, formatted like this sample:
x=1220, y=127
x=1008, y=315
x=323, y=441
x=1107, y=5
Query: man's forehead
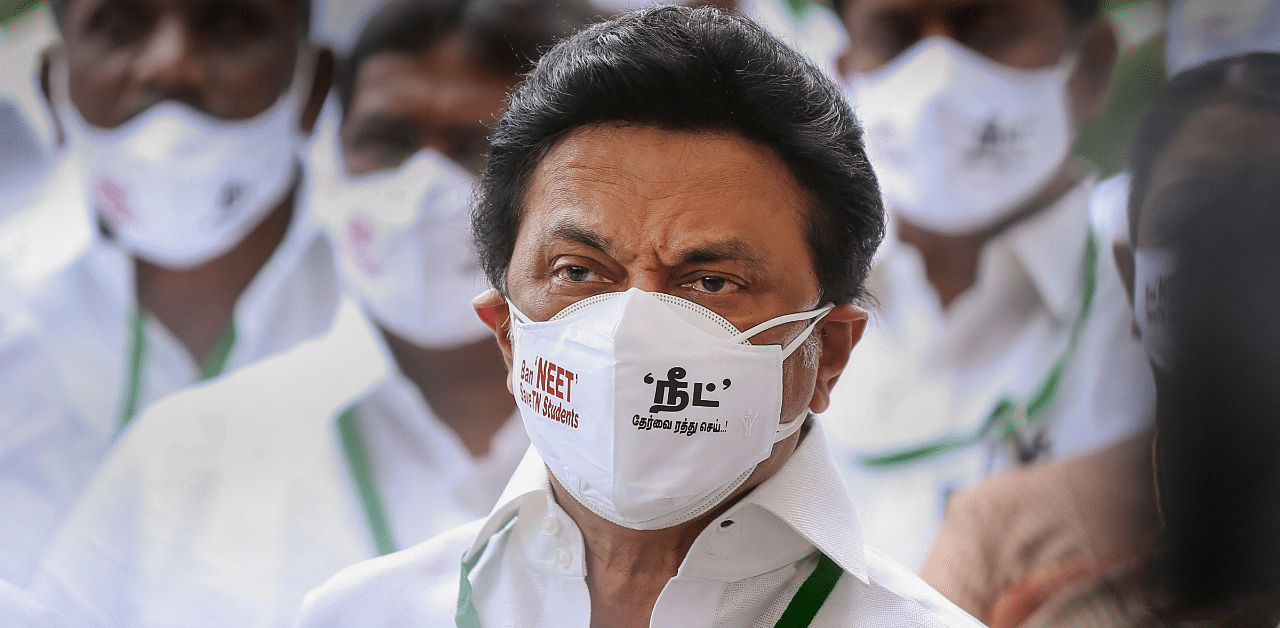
x=690, y=196
x=416, y=83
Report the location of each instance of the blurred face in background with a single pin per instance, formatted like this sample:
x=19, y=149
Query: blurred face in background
x=1018, y=33
x=440, y=98
x=971, y=107
x=230, y=59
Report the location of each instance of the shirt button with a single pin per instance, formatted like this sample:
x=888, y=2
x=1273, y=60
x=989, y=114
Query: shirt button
x=725, y=525
x=550, y=525
x=563, y=559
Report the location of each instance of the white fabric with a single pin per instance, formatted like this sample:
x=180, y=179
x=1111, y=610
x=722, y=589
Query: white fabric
x=1203, y=30
x=41, y=458
x=959, y=141
x=602, y=391
x=20, y=609
x=404, y=248
x=1109, y=209
x=743, y=573
x=228, y=502
x=79, y=285
x=922, y=372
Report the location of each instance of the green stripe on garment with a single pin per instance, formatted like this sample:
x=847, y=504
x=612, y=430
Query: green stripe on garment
x=375, y=511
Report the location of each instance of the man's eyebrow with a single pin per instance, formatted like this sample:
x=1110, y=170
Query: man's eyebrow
x=731, y=249
x=566, y=229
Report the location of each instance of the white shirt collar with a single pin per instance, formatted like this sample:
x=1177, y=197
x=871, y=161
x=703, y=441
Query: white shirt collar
x=803, y=506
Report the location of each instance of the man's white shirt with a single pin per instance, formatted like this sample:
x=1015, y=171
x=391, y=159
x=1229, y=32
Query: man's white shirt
x=922, y=372
x=80, y=286
x=742, y=570
x=228, y=502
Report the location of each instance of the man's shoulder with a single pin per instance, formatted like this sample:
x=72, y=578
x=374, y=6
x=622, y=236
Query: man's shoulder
x=417, y=586
x=892, y=596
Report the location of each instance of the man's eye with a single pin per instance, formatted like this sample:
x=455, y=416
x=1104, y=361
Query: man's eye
x=577, y=273
x=714, y=285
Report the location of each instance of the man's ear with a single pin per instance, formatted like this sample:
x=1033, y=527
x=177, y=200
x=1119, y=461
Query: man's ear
x=838, y=332
x=492, y=308
x=324, y=74
x=1091, y=79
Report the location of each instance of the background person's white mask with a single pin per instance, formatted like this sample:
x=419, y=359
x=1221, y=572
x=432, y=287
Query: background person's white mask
x=648, y=408
x=959, y=141
x=1153, y=270
x=179, y=187
x=404, y=249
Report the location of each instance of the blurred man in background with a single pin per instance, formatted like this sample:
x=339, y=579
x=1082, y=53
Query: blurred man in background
x=227, y=503
x=1003, y=335
x=174, y=248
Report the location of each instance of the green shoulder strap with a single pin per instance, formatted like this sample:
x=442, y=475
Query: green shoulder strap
x=812, y=594
x=375, y=511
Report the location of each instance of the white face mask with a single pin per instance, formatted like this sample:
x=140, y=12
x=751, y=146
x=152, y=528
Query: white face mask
x=957, y=140
x=1200, y=31
x=179, y=187
x=650, y=409
x=404, y=245
x=1153, y=270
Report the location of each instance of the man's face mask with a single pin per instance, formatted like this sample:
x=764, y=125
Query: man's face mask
x=959, y=141
x=404, y=249
x=648, y=408
x=178, y=187
x=1153, y=298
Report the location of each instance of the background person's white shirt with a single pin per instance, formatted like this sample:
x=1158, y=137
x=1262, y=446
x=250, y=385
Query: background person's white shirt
x=80, y=287
x=41, y=459
x=742, y=570
x=228, y=502
x=20, y=609
x=922, y=372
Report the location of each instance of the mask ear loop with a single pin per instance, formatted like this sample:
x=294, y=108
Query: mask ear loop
x=815, y=315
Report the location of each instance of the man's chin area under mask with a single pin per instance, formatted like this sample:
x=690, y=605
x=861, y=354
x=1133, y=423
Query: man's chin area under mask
x=591, y=523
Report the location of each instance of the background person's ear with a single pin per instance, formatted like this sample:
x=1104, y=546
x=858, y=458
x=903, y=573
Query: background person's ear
x=1089, y=83
x=326, y=67
x=838, y=332
x=493, y=310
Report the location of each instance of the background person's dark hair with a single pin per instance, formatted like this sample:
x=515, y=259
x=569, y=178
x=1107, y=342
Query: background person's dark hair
x=504, y=35
x=1219, y=442
x=1082, y=11
x=1250, y=80
x=304, y=13
x=691, y=70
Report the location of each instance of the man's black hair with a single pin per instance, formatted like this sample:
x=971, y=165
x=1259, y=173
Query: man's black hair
x=698, y=70
x=304, y=13
x=504, y=35
x=1250, y=80
x=1082, y=11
